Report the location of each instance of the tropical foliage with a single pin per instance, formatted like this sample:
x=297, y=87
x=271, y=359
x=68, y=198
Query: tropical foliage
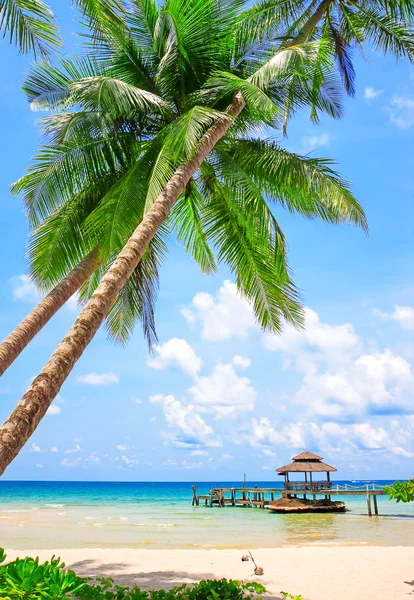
x=122, y=120
x=401, y=491
x=28, y=579
x=161, y=129
x=29, y=24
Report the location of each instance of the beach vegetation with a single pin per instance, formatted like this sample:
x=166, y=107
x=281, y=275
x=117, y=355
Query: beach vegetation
x=30, y=25
x=401, y=491
x=155, y=132
x=28, y=579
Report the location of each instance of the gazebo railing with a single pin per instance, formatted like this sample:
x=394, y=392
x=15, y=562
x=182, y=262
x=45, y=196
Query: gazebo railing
x=308, y=486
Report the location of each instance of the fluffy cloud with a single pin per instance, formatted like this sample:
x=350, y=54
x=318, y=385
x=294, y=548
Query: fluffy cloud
x=223, y=317
x=338, y=381
x=224, y=393
x=35, y=448
x=316, y=335
x=189, y=430
x=98, y=378
x=76, y=448
x=373, y=383
x=176, y=352
x=402, y=112
x=330, y=437
x=24, y=289
x=404, y=315
x=241, y=361
x=54, y=409
x=371, y=93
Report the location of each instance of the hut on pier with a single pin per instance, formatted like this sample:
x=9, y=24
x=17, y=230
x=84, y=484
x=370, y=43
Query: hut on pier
x=309, y=464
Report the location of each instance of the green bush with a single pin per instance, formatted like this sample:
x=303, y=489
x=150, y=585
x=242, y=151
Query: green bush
x=401, y=491
x=27, y=579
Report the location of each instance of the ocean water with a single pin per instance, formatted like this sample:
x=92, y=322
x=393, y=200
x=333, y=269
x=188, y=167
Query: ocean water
x=51, y=515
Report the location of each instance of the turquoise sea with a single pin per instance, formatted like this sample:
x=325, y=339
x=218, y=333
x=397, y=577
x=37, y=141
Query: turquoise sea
x=37, y=515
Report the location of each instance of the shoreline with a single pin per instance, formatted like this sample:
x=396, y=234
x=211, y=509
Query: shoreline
x=316, y=572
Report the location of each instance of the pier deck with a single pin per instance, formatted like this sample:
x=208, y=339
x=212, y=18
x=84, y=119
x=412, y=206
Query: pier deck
x=256, y=497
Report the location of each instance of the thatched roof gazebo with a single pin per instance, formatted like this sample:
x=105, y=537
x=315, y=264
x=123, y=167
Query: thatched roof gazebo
x=309, y=464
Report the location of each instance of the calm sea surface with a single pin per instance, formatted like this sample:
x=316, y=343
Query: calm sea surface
x=36, y=515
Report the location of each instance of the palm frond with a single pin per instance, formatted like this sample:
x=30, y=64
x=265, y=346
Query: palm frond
x=309, y=186
x=261, y=276
x=30, y=24
x=186, y=219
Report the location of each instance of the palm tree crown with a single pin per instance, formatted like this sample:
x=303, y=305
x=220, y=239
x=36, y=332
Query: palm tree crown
x=135, y=106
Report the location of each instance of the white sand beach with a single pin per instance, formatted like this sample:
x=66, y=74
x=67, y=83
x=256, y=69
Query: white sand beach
x=318, y=573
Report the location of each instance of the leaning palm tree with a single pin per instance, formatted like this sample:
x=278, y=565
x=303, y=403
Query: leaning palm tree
x=190, y=83
x=266, y=26
x=29, y=24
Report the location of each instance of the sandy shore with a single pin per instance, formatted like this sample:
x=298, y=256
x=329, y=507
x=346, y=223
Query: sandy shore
x=318, y=573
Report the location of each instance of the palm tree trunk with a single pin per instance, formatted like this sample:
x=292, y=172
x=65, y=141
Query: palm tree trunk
x=17, y=341
x=35, y=402
x=310, y=24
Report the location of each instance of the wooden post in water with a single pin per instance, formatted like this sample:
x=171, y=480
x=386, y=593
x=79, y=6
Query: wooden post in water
x=369, y=504
x=195, y=499
x=374, y=497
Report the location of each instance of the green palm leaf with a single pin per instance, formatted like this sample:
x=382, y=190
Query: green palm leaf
x=29, y=24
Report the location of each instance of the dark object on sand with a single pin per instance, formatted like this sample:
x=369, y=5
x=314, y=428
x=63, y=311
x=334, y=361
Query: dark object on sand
x=257, y=570
x=245, y=557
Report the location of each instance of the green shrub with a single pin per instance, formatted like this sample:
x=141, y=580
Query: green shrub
x=27, y=579
x=401, y=491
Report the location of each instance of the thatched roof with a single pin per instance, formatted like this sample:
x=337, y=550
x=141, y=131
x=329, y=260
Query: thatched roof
x=307, y=456
x=306, y=462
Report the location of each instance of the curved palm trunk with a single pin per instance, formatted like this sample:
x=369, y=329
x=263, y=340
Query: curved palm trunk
x=34, y=404
x=17, y=341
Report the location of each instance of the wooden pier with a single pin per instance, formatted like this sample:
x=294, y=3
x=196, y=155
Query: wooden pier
x=255, y=497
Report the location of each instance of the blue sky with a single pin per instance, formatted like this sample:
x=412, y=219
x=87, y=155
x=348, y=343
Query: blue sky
x=219, y=398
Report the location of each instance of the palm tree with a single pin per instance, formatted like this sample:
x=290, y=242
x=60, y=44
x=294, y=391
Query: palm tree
x=270, y=25
x=29, y=24
x=181, y=76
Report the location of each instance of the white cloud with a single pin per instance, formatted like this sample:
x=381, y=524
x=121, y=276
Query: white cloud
x=76, y=448
x=315, y=141
x=223, y=317
x=321, y=336
x=371, y=93
x=223, y=392
x=122, y=447
x=176, y=352
x=401, y=452
x=54, y=449
x=375, y=383
x=24, y=289
x=189, y=429
x=404, y=315
x=35, y=448
x=402, y=112
x=38, y=466
x=54, y=409
x=71, y=463
x=199, y=453
x=137, y=400
x=338, y=381
x=226, y=457
x=98, y=378
x=332, y=437
x=241, y=361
